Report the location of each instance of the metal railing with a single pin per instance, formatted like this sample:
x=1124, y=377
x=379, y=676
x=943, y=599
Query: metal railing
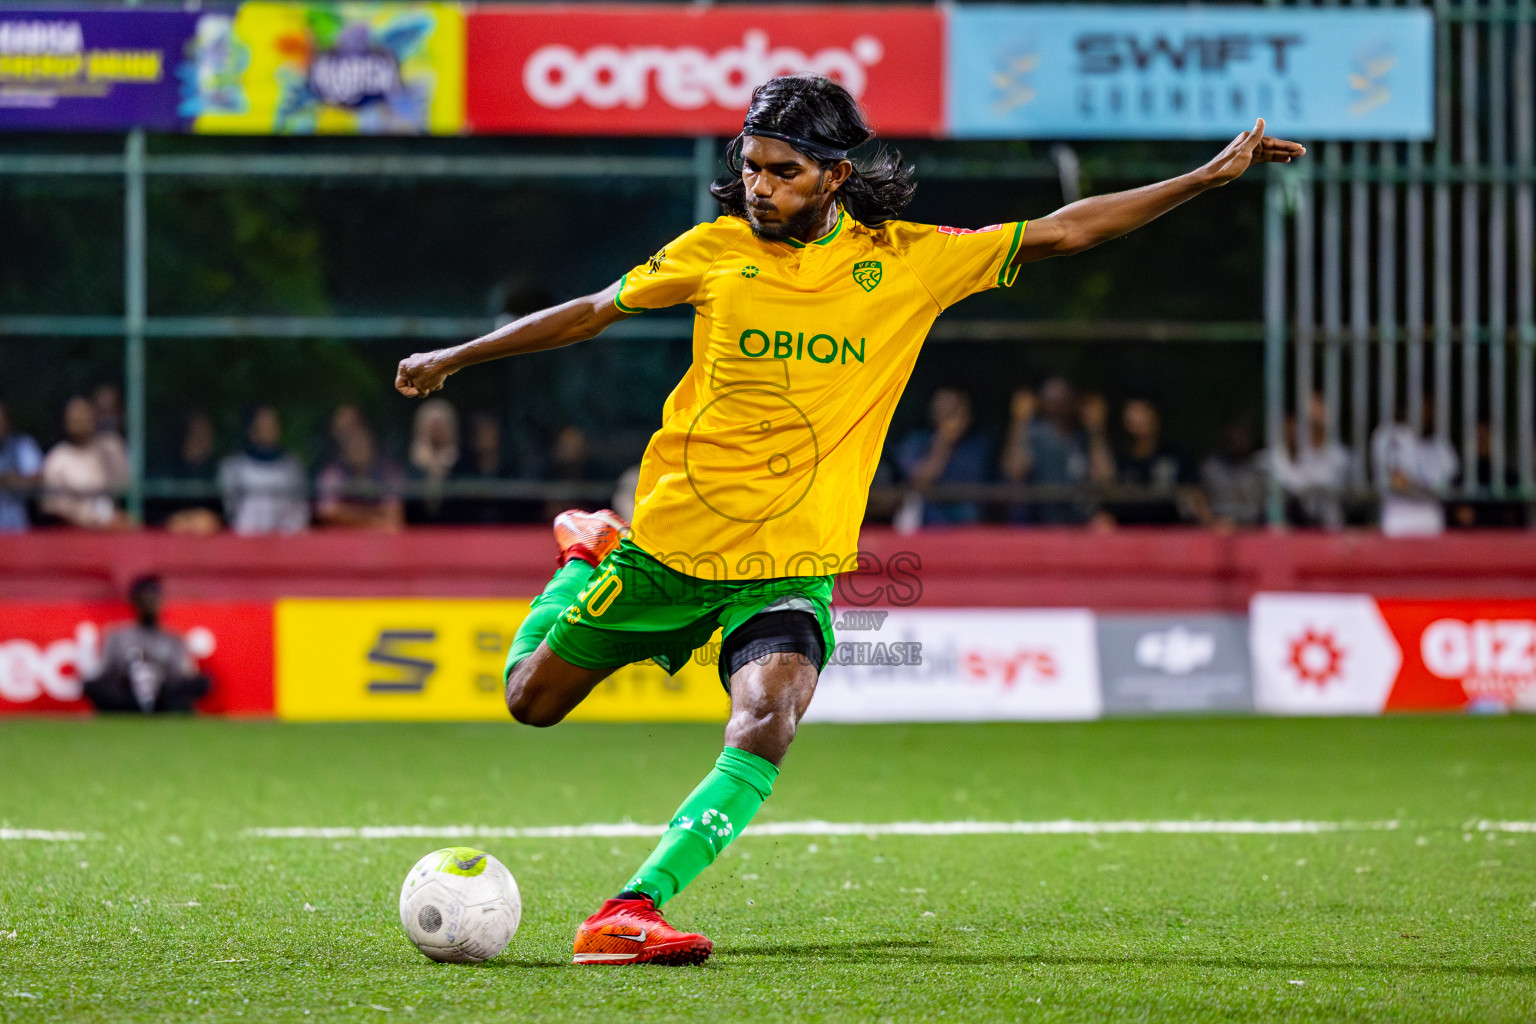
x=1392, y=287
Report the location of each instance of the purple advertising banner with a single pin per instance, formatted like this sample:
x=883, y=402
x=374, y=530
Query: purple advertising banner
x=91, y=69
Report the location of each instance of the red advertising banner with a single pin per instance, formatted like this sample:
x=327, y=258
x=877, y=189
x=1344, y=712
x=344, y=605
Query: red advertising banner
x=1354, y=654
x=673, y=70
x=1463, y=652
x=46, y=650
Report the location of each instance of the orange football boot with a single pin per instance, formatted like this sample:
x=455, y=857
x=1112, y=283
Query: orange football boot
x=588, y=536
x=631, y=931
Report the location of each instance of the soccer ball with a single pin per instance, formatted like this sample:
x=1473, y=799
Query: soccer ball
x=460, y=906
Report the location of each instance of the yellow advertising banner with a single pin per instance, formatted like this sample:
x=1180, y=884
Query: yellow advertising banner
x=329, y=69
x=441, y=660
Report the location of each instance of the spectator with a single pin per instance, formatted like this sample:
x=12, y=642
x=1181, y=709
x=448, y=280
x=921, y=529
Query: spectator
x=1411, y=472
x=1233, y=481
x=1313, y=474
x=83, y=473
x=263, y=486
x=1149, y=466
x=360, y=489
x=1050, y=449
x=145, y=668
x=192, y=464
x=434, y=454
x=485, y=459
x=950, y=453
x=485, y=464
x=107, y=404
x=570, y=461
x=569, y=458
x=21, y=464
x=346, y=419
x=1491, y=511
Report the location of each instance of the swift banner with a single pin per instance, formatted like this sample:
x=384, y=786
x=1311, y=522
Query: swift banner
x=48, y=650
x=441, y=660
x=91, y=69
x=329, y=69
x=1341, y=654
x=1087, y=72
x=959, y=665
x=674, y=70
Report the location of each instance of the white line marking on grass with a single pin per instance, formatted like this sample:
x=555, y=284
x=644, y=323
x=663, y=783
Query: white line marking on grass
x=630, y=830
x=1506, y=826
x=43, y=834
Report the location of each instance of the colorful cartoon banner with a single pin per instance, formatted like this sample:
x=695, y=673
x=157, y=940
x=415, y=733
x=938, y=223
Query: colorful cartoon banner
x=91, y=69
x=638, y=69
x=441, y=660
x=1176, y=72
x=48, y=650
x=329, y=69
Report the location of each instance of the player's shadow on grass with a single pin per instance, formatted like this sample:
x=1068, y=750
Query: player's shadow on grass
x=855, y=950
x=915, y=952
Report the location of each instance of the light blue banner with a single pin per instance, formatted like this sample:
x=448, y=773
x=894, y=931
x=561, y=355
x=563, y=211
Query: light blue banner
x=1088, y=72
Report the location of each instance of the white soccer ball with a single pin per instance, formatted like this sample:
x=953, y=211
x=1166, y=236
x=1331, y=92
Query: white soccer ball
x=460, y=906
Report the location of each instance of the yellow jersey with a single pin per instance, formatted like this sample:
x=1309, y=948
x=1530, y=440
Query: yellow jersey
x=767, y=446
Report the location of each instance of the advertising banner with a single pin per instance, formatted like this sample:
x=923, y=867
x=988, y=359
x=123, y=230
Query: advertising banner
x=48, y=650
x=1191, y=663
x=1353, y=654
x=329, y=69
x=441, y=660
x=91, y=69
x=1175, y=72
x=960, y=665
x=676, y=70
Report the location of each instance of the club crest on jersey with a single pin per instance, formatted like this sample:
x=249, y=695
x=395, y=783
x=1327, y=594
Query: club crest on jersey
x=655, y=262
x=867, y=274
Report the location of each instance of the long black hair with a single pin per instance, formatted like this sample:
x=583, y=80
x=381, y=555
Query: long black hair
x=822, y=112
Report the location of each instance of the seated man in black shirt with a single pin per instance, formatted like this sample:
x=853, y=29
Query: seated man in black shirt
x=1146, y=464
x=143, y=667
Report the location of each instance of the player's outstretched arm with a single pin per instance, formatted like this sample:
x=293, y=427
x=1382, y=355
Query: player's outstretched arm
x=1086, y=223
x=424, y=372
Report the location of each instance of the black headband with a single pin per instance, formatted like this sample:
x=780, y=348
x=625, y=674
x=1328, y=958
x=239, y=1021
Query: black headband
x=818, y=150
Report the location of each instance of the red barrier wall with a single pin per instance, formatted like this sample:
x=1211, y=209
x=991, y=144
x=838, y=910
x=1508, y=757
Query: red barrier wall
x=1128, y=569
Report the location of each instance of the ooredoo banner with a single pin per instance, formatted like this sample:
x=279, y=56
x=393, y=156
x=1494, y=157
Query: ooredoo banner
x=1354, y=654
x=957, y=665
x=674, y=70
x=48, y=650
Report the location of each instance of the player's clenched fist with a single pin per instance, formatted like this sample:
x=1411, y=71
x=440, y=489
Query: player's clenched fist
x=420, y=374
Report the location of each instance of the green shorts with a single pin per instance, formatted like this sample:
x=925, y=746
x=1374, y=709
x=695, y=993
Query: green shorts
x=635, y=608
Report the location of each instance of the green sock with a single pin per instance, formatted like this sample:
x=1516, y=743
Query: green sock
x=556, y=597
x=714, y=814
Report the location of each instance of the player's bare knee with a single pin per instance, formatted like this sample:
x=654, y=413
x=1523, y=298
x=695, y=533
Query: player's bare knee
x=529, y=709
x=525, y=701
x=762, y=729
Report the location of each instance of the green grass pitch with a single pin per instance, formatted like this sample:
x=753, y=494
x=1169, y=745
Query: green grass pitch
x=170, y=911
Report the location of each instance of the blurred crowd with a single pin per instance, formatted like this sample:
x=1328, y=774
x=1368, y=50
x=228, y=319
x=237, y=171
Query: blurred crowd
x=1082, y=463
x=451, y=473
x=1062, y=458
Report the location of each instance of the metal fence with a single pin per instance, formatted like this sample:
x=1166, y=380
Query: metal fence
x=1413, y=259
x=1399, y=279
x=139, y=327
